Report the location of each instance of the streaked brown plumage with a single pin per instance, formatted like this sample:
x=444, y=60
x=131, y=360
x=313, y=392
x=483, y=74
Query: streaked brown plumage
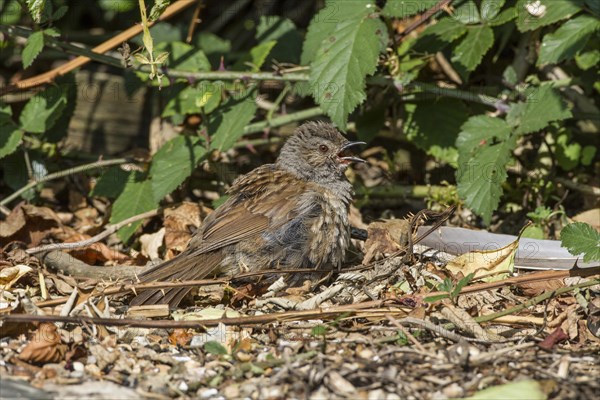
x=291, y=214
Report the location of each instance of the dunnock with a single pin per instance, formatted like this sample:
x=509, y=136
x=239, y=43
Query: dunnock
x=291, y=214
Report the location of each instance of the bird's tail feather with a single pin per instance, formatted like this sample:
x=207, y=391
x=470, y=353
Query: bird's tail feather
x=186, y=266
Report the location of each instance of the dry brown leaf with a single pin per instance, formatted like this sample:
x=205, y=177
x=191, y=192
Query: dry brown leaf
x=179, y=224
x=86, y=220
x=45, y=346
x=10, y=275
x=29, y=224
x=532, y=289
x=570, y=325
x=385, y=238
x=151, y=242
x=180, y=337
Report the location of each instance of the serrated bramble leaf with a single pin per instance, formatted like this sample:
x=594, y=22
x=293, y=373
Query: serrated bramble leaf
x=484, y=147
x=535, y=14
x=228, y=125
x=581, y=238
x=174, y=163
x=325, y=21
x=489, y=9
x=112, y=182
x=446, y=29
x=543, y=105
x=505, y=16
x=33, y=47
x=36, y=9
x=474, y=46
x=136, y=198
x=185, y=57
x=568, y=40
x=345, y=58
x=161, y=58
x=434, y=127
x=478, y=131
x=406, y=8
x=43, y=110
x=10, y=134
x=142, y=59
x=467, y=13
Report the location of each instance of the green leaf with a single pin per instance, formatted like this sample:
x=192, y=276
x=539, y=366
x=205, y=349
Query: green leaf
x=473, y=47
x=437, y=135
x=518, y=390
x=173, y=163
x=567, y=152
x=10, y=134
x=183, y=100
x=530, y=17
x=438, y=297
x=461, y=284
x=543, y=106
x=59, y=13
x=43, y=110
x=319, y=330
x=484, y=145
x=467, y=13
x=325, y=22
x=259, y=54
x=505, y=16
x=437, y=36
x=137, y=197
x=587, y=155
x=215, y=348
x=36, y=9
x=568, y=40
x=157, y=9
x=184, y=57
x=33, y=47
x=227, y=126
x=284, y=32
x=490, y=9
x=112, y=182
x=580, y=238
x=406, y=8
x=343, y=61
x=446, y=29
x=588, y=59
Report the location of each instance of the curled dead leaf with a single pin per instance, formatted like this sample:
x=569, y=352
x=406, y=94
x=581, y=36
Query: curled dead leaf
x=45, y=346
x=385, y=238
x=10, y=275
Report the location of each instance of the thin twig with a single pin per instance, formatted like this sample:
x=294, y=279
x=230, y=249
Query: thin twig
x=110, y=44
x=67, y=172
x=421, y=19
x=109, y=230
x=194, y=22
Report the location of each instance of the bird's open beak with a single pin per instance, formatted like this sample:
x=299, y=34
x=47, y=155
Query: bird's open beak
x=343, y=155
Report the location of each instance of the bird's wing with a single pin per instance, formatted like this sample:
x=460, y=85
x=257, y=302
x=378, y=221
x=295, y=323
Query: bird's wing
x=264, y=198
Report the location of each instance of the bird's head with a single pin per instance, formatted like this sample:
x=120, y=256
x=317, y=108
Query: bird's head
x=317, y=151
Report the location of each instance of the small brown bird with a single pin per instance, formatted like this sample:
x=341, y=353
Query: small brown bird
x=291, y=214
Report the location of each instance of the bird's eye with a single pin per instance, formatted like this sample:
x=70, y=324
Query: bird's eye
x=323, y=148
